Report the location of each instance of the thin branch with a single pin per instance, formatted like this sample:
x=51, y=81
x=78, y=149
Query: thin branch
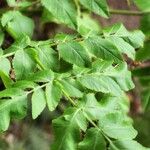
x=90, y=120
x=128, y=12
x=54, y=43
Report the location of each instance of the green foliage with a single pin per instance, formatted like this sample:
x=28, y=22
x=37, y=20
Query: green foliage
x=73, y=53
x=63, y=10
x=17, y=24
x=143, y=4
x=93, y=86
x=93, y=140
x=99, y=7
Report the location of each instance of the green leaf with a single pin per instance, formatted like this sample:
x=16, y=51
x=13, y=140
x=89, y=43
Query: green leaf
x=100, y=83
x=63, y=10
x=14, y=108
x=74, y=53
x=24, y=84
x=53, y=95
x=111, y=121
x=62, y=37
x=5, y=65
x=115, y=125
x=67, y=131
x=19, y=44
x=70, y=89
x=126, y=145
x=79, y=119
x=14, y=3
x=99, y=7
x=41, y=76
x=107, y=105
x=48, y=57
x=6, y=79
x=103, y=48
x=119, y=73
x=123, y=47
x=143, y=4
x=11, y=92
x=115, y=104
x=135, y=38
x=38, y=103
x=93, y=140
x=17, y=24
x=86, y=103
x=23, y=64
x=88, y=26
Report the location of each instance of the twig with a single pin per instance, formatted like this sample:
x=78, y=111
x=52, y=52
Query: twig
x=128, y=12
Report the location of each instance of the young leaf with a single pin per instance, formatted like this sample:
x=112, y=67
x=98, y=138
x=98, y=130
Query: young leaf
x=38, y=103
x=99, y=7
x=63, y=10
